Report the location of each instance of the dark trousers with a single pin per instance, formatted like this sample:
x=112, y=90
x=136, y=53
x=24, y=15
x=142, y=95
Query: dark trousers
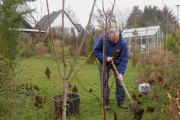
x=120, y=93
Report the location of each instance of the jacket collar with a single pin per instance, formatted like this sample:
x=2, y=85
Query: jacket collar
x=112, y=42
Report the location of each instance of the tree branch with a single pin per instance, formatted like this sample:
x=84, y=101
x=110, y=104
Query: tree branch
x=83, y=86
x=83, y=62
x=82, y=42
x=53, y=42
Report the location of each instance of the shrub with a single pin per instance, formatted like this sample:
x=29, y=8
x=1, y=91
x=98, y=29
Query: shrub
x=57, y=45
x=92, y=57
x=40, y=50
x=134, y=57
x=26, y=48
x=171, y=43
x=49, y=43
x=66, y=52
x=177, y=33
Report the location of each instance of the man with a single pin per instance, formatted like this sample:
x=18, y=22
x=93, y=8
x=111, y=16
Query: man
x=116, y=51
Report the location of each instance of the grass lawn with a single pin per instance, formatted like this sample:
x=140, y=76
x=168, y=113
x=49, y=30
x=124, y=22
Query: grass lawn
x=33, y=73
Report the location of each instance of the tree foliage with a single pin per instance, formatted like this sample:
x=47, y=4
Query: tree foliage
x=10, y=20
x=168, y=18
x=171, y=42
x=135, y=17
x=8, y=35
x=152, y=16
x=177, y=33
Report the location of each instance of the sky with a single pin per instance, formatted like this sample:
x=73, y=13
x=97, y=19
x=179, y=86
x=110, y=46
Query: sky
x=82, y=8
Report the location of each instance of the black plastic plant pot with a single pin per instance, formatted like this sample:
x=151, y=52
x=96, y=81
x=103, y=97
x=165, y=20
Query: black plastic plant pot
x=73, y=101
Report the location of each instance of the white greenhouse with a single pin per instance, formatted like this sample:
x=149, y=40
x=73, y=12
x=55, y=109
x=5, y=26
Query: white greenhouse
x=153, y=35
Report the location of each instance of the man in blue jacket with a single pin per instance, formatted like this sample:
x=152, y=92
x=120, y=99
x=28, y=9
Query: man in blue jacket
x=116, y=51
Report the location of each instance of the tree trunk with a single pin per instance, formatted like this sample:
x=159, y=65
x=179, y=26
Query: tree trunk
x=104, y=79
x=64, y=107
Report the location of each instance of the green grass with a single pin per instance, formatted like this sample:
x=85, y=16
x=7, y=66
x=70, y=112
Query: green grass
x=33, y=71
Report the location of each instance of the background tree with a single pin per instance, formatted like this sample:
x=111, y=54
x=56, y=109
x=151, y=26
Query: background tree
x=71, y=14
x=10, y=21
x=167, y=15
x=152, y=16
x=121, y=17
x=98, y=18
x=134, y=18
x=112, y=21
x=34, y=17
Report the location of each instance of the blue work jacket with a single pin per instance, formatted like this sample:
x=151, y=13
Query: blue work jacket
x=118, y=51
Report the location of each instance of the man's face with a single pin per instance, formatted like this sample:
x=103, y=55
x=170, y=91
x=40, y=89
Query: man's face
x=114, y=35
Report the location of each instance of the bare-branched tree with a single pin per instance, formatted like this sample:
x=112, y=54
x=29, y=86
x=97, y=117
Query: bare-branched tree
x=99, y=18
x=121, y=17
x=65, y=75
x=69, y=11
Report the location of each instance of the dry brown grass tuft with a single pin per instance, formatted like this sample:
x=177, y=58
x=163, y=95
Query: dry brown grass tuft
x=174, y=102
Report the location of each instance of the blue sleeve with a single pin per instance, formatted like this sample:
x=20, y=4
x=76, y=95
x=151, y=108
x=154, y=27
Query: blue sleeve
x=98, y=48
x=123, y=57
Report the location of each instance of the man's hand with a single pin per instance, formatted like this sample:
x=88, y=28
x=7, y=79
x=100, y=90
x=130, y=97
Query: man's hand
x=109, y=59
x=120, y=77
